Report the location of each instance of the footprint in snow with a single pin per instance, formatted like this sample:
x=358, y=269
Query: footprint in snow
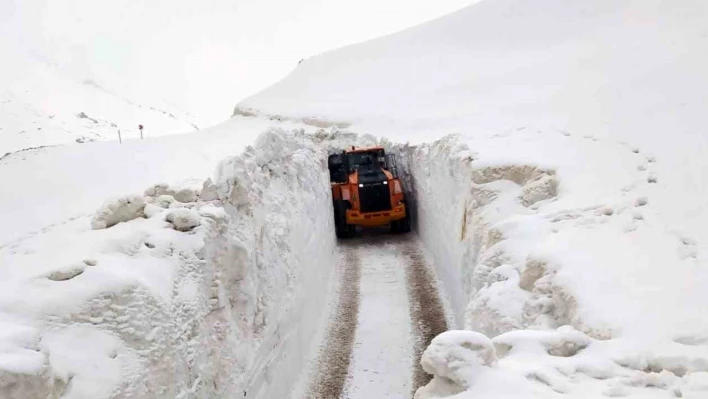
x=688, y=248
x=692, y=340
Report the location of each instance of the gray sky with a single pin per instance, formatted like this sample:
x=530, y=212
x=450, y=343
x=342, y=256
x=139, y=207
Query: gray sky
x=203, y=56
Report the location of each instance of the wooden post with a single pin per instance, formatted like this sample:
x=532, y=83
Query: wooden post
x=120, y=140
x=141, y=131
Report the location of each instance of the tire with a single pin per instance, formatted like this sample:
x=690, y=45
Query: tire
x=401, y=226
x=341, y=228
x=395, y=227
x=405, y=223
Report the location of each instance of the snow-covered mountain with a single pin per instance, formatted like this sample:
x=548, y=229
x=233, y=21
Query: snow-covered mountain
x=558, y=176
x=41, y=104
x=72, y=69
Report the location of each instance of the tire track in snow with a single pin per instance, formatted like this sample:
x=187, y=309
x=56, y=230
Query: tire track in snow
x=426, y=309
x=382, y=359
x=334, y=358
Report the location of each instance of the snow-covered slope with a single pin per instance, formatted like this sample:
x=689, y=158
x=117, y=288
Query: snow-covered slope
x=164, y=64
x=41, y=104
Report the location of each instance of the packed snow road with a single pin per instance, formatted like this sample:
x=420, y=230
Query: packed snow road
x=387, y=311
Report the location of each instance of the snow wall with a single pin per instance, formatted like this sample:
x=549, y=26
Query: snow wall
x=281, y=189
x=459, y=207
x=200, y=295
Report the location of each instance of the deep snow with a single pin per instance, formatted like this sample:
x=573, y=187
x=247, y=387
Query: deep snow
x=201, y=299
x=573, y=191
x=565, y=218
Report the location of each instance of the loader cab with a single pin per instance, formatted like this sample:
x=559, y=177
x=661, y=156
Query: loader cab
x=366, y=190
x=367, y=160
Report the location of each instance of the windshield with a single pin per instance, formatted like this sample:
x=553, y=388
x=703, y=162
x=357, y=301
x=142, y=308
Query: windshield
x=361, y=159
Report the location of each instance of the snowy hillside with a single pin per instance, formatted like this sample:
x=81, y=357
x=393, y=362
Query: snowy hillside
x=557, y=176
x=71, y=69
x=40, y=105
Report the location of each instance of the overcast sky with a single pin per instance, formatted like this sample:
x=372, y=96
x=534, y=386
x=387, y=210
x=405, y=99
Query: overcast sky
x=205, y=55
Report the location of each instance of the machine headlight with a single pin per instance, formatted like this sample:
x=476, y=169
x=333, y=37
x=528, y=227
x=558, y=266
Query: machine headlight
x=361, y=185
x=385, y=182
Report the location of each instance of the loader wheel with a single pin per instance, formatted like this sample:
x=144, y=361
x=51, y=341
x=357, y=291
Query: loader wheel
x=341, y=228
x=402, y=225
x=405, y=223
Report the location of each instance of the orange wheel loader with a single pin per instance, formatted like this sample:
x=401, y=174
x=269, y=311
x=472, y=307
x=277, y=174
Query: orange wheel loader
x=366, y=191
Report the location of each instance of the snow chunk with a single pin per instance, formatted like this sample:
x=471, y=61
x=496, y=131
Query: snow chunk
x=117, y=210
x=181, y=194
x=543, y=188
x=210, y=191
x=165, y=201
x=563, y=342
x=184, y=219
x=456, y=359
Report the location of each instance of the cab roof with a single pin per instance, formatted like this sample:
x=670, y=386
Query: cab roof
x=354, y=150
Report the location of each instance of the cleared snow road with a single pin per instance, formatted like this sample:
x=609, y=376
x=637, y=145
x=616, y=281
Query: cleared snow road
x=388, y=310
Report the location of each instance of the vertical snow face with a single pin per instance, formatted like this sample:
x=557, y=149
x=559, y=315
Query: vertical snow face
x=457, y=206
x=205, y=298
x=547, y=243
x=277, y=194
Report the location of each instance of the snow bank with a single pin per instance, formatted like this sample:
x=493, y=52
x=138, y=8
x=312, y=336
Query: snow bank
x=546, y=364
x=464, y=364
x=524, y=238
x=103, y=170
x=217, y=306
x=456, y=359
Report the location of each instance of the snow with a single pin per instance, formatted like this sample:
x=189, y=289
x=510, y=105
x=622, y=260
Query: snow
x=73, y=181
x=571, y=193
x=41, y=104
x=117, y=210
x=183, y=219
x=142, y=309
x=558, y=180
x=379, y=355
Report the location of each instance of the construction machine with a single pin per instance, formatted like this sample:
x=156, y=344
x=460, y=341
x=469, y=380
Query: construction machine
x=366, y=191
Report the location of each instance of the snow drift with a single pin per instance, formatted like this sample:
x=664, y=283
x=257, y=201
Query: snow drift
x=186, y=299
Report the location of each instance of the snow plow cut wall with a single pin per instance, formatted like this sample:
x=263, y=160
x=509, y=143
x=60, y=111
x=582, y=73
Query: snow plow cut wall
x=366, y=191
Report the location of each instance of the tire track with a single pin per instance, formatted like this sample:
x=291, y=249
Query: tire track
x=426, y=309
x=335, y=355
